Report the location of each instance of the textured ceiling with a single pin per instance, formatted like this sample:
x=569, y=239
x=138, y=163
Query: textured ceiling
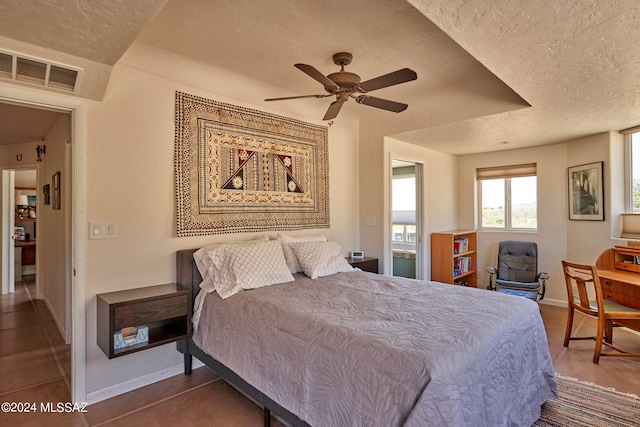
x=98, y=30
x=263, y=40
x=19, y=124
x=526, y=73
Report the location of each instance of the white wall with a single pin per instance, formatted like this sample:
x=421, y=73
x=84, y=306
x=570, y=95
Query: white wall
x=130, y=181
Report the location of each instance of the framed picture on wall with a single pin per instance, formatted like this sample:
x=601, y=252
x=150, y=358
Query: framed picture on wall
x=46, y=194
x=586, y=192
x=56, y=191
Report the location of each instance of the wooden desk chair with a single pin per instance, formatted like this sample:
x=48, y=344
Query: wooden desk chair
x=582, y=283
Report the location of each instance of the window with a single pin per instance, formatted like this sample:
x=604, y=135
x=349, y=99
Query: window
x=508, y=197
x=404, y=233
x=403, y=192
x=633, y=144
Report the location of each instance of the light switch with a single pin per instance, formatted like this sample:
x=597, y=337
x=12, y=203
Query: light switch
x=370, y=221
x=103, y=230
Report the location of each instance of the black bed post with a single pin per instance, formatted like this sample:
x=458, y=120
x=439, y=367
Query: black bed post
x=188, y=358
x=183, y=347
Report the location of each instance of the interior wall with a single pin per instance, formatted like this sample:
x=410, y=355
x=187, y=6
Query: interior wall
x=588, y=239
x=439, y=188
x=53, y=228
x=130, y=182
x=552, y=236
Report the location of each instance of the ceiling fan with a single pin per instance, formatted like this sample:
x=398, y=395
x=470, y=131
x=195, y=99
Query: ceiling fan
x=344, y=84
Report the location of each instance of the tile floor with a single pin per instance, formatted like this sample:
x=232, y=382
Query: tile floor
x=29, y=342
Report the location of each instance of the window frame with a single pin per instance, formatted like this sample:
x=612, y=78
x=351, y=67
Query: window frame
x=405, y=233
x=628, y=170
x=507, y=173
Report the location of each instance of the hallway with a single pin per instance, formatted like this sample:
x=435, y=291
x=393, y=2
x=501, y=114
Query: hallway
x=35, y=362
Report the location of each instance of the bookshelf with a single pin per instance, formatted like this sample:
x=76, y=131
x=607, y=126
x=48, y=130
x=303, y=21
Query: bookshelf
x=453, y=257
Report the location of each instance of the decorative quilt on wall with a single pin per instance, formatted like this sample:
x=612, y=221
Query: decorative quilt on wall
x=239, y=169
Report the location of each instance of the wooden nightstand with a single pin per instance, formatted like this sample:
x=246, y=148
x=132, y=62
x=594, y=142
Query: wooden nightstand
x=164, y=309
x=364, y=264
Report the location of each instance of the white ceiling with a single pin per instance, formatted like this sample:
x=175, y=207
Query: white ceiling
x=523, y=72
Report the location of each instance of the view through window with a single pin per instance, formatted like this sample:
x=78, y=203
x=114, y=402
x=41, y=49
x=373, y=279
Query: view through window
x=508, y=201
x=635, y=171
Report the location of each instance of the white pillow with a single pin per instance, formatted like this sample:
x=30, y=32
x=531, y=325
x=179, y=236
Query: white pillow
x=247, y=266
x=292, y=260
x=320, y=259
x=202, y=260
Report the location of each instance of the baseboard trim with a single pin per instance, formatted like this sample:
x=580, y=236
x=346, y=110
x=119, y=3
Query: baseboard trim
x=555, y=302
x=139, y=382
x=53, y=313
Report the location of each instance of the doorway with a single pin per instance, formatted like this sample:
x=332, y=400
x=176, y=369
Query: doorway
x=36, y=294
x=25, y=228
x=406, y=218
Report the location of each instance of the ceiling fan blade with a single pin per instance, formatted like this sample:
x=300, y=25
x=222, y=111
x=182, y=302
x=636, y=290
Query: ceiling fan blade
x=333, y=110
x=298, y=97
x=384, y=104
x=315, y=74
x=397, y=77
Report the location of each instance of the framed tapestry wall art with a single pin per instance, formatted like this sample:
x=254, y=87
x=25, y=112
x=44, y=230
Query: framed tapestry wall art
x=241, y=170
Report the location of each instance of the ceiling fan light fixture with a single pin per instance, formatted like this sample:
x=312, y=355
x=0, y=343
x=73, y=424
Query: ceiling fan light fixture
x=344, y=84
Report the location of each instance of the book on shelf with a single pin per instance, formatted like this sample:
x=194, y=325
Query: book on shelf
x=461, y=265
x=460, y=245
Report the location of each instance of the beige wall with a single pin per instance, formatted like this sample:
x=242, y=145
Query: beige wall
x=130, y=181
x=54, y=228
x=558, y=238
x=439, y=194
x=551, y=236
x=587, y=239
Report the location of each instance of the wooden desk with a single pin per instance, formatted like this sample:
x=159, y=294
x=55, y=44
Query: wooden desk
x=28, y=251
x=619, y=285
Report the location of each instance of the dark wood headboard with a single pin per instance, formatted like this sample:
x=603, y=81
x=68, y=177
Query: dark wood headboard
x=187, y=274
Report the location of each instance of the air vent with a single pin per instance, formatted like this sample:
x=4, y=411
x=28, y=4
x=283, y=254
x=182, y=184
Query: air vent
x=29, y=71
x=38, y=72
x=62, y=78
x=6, y=65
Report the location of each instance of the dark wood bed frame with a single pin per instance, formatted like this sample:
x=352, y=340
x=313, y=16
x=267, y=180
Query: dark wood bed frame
x=188, y=276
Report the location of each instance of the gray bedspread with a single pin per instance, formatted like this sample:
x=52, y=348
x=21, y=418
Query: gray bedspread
x=360, y=349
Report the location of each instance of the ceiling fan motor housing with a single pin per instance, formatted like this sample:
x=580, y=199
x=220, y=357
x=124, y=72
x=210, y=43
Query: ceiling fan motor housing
x=346, y=80
x=344, y=84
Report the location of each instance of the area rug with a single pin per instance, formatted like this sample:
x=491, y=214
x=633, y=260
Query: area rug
x=583, y=404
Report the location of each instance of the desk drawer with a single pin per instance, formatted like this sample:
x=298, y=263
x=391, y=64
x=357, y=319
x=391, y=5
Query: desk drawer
x=628, y=266
x=144, y=313
x=607, y=289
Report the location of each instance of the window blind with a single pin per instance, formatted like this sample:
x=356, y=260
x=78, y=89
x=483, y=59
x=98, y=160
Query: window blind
x=630, y=130
x=513, y=171
x=630, y=226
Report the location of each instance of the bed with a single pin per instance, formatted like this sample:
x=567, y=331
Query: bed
x=356, y=348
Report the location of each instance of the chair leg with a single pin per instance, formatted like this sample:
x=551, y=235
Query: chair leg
x=608, y=333
x=567, y=334
x=599, y=340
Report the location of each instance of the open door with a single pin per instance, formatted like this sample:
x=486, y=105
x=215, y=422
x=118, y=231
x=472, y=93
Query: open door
x=406, y=218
